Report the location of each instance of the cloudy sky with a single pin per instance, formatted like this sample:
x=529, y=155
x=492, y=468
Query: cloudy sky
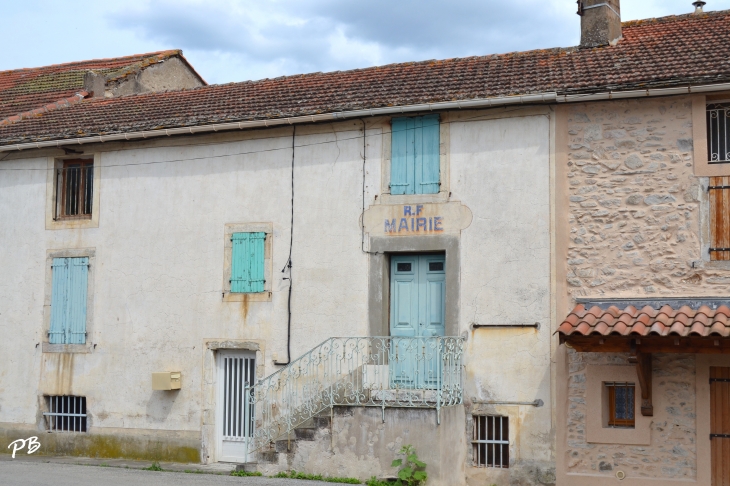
x=236, y=40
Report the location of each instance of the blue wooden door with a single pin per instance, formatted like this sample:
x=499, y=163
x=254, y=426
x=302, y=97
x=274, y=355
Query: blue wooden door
x=417, y=311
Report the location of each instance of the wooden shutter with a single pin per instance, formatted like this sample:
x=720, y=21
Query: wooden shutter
x=59, y=297
x=247, y=262
x=402, y=164
x=414, y=162
x=720, y=425
x=68, y=300
x=427, y=141
x=256, y=245
x=719, y=218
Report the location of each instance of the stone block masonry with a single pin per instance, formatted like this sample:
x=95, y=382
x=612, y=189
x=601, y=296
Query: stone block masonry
x=635, y=202
x=673, y=449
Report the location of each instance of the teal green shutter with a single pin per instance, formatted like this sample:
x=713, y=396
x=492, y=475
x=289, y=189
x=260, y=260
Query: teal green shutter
x=402, y=170
x=427, y=155
x=59, y=290
x=68, y=300
x=247, y=262
x=414, y=161
x=257, y=261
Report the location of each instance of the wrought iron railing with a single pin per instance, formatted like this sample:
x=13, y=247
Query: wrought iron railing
x=357, y=371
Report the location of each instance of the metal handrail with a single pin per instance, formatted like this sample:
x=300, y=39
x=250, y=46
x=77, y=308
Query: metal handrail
x=383, y=372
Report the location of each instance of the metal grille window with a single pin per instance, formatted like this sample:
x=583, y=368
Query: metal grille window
x=66, y=413
x=238, y=379
x=491, y=441
x=718, y=132
x=621, y=397
x=75, y=189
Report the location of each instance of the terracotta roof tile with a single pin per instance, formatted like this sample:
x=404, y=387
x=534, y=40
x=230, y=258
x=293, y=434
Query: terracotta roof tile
x=666, y=52
x=649, y=321
x=22, y=90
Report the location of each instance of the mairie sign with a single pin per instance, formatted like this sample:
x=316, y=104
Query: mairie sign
x=416, y=219
x=413, y=215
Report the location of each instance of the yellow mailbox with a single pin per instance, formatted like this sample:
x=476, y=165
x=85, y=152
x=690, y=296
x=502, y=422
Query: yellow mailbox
x=166, y=380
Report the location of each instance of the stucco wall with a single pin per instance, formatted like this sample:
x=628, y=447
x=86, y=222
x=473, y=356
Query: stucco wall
x=159, y=262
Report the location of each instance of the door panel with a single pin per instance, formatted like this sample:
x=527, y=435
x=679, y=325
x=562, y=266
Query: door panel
x=720, y=425
x=236, y=374
x=417, y=311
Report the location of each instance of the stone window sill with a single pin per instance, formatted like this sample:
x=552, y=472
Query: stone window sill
x=67, y=348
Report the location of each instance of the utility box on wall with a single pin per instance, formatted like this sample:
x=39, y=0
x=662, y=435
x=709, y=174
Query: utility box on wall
x=166, y=380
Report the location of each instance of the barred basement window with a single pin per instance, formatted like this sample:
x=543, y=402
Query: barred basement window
x=718, y=133
x=491, y=441
x=621, y=397
x=66, y=413
x=75, y=189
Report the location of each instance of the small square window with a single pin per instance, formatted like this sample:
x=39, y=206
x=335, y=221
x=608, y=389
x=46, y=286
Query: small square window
x=491, y=441
x=75, y=190
x=65, y=413
x=621, y=396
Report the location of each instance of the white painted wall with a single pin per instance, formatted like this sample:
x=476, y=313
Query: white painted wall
x=159, y=256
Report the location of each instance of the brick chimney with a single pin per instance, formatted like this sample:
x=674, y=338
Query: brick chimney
x=600, y=22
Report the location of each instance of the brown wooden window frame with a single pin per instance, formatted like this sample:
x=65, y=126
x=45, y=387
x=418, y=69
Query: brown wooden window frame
x=613, y=421
x=82, y=204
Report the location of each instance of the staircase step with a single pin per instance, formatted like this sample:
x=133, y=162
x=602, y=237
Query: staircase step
x=247, y=467
x=268, y=456
x=305, y=433
x=285, y=445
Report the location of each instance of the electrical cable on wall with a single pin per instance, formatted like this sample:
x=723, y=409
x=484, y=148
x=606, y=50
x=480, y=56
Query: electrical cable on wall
x=289, y=262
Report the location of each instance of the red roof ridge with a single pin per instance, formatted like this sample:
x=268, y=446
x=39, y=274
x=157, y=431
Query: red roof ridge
x=167, y=53
x=628, y=24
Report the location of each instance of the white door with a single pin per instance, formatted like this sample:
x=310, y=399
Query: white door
x=234, y=423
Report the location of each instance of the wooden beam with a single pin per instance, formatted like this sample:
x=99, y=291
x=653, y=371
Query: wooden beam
x=643, y=371
x=650, y=344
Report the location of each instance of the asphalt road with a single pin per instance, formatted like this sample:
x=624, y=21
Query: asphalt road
x=42, y=474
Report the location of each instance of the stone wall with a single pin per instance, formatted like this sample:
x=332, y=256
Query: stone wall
x=635, y=203
x=672, y=452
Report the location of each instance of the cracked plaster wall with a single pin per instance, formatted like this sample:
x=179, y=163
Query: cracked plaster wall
x=500, y=169
x=159, y=250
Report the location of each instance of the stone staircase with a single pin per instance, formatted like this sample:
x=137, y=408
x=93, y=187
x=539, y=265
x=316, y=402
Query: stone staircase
x=280, y=455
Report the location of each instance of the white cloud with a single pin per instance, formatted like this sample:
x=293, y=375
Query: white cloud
x=235, y=40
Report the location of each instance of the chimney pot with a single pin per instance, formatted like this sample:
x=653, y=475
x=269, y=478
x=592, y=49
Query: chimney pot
x=698, y=6
x=600, y=22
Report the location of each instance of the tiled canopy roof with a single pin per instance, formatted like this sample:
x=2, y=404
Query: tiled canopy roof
x=648, y=321
x=26, y=89
x=665, y=52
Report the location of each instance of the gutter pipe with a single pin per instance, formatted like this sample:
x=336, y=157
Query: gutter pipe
x=540, y=98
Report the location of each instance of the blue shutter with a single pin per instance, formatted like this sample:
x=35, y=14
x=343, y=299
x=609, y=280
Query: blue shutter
x=68, y=300
x=256, y=246
x=240, y=279
x=402, y=170
x=78, y=285
x=59, y=297
x=247, y=262
x=415, y=155
x=427, y=154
